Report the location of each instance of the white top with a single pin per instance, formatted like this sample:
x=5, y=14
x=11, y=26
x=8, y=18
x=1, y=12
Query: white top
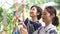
x=50, y=29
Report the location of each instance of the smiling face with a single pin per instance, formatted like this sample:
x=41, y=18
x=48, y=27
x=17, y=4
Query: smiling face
x=33, y=12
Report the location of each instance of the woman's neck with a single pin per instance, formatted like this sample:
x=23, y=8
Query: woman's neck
x=34, y=19
x=47, y=23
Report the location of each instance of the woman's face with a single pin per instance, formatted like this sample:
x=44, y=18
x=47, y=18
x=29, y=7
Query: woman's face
x=46, y=16
x=33, y=12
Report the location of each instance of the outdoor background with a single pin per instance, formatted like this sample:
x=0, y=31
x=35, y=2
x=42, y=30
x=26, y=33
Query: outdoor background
x=7, y=8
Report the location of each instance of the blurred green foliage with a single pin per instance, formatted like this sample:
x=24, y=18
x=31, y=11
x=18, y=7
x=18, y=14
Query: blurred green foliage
x=1, y=17
x=10, y=15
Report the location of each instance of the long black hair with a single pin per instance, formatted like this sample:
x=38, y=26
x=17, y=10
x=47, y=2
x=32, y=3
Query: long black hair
x=39, y=10
x=52, y=10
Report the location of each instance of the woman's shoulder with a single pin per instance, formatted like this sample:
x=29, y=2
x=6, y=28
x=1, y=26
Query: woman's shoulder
x=52, y=30
x=38, y=30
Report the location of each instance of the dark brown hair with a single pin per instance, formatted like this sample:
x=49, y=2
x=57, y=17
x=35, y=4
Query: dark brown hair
x=39, y=10
x=52, y=10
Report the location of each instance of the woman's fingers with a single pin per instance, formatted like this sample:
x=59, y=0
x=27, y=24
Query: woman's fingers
x=22, y=23
x=23, y=30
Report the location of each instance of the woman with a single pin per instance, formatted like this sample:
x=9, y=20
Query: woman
x=35, y=13
x=51, y=21
x=33, y=25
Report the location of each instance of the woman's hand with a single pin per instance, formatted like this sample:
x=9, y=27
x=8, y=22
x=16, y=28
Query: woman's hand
x=23, y=5
x=23, y=29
